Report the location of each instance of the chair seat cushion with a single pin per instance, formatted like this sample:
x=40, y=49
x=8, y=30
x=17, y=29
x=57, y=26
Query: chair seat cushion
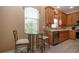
x=22, y=41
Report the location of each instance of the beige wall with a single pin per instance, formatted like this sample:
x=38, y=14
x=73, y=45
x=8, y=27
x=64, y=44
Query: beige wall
x=42, y=20
x=1, y=29
x=12, y=18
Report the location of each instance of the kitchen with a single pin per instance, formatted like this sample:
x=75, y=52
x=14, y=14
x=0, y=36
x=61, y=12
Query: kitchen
x=67, y=23
x=59, y=22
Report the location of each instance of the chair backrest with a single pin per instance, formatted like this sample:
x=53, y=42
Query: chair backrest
x=15, y=35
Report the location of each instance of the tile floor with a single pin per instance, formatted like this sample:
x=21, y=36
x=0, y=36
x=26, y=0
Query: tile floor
x=68, y=46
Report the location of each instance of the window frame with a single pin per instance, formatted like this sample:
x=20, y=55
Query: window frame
x=33, y=19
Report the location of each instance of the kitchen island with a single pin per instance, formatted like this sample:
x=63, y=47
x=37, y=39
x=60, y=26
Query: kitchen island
x=57, y=36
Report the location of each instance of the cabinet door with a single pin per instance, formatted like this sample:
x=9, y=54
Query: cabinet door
x=64, y=19
x=69, y=19
x=60, y=18
x=63, y=35
x=74, y=19
x=66, y=36
x=50, y=37
x=72, y=35
x=49, y=12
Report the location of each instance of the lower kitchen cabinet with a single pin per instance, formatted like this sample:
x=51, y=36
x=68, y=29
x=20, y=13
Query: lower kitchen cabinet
x=63, y=35
x=56, y=37
x=72, y=35
x=50, y=37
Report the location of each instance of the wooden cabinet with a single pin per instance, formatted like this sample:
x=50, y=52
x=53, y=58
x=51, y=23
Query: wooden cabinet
x=71, y=19
x=74, y=19
x=62, y=19
x=72, y=35
x=50, y=37
x=58, y=36
x=49, y=15
x=63, y=35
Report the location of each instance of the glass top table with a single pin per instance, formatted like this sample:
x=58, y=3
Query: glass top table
x=32, y=38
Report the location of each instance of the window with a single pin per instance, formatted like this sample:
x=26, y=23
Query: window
x=31, y=17
x=55, y=25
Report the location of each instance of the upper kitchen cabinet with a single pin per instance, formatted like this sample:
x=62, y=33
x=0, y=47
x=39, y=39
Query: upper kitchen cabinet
x=49, y=15
x=52, y=13
x=62, y=19
x=69, y=19
x=72, y=19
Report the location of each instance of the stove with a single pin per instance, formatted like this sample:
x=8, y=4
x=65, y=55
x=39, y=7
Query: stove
x=77, y=31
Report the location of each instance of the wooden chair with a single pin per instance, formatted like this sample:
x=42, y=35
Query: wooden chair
x=44, y=41
x=45, y=35
x=20, y=42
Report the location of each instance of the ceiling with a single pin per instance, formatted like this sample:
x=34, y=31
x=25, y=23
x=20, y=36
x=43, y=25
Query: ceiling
x=68, y=9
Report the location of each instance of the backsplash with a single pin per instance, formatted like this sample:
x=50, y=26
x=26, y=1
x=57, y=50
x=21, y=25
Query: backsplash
x=69, y=27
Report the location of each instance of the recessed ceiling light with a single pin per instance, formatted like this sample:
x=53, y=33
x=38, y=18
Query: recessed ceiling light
x=71, y=6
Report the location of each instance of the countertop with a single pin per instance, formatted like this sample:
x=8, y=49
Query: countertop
x=52, y=30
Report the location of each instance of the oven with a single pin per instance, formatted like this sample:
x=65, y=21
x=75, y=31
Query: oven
x=77, y=34
x=77, y=31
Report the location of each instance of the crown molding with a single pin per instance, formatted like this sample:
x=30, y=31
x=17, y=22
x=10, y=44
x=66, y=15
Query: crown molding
x=64, y=11
x=72, y=12
x=59, y=9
